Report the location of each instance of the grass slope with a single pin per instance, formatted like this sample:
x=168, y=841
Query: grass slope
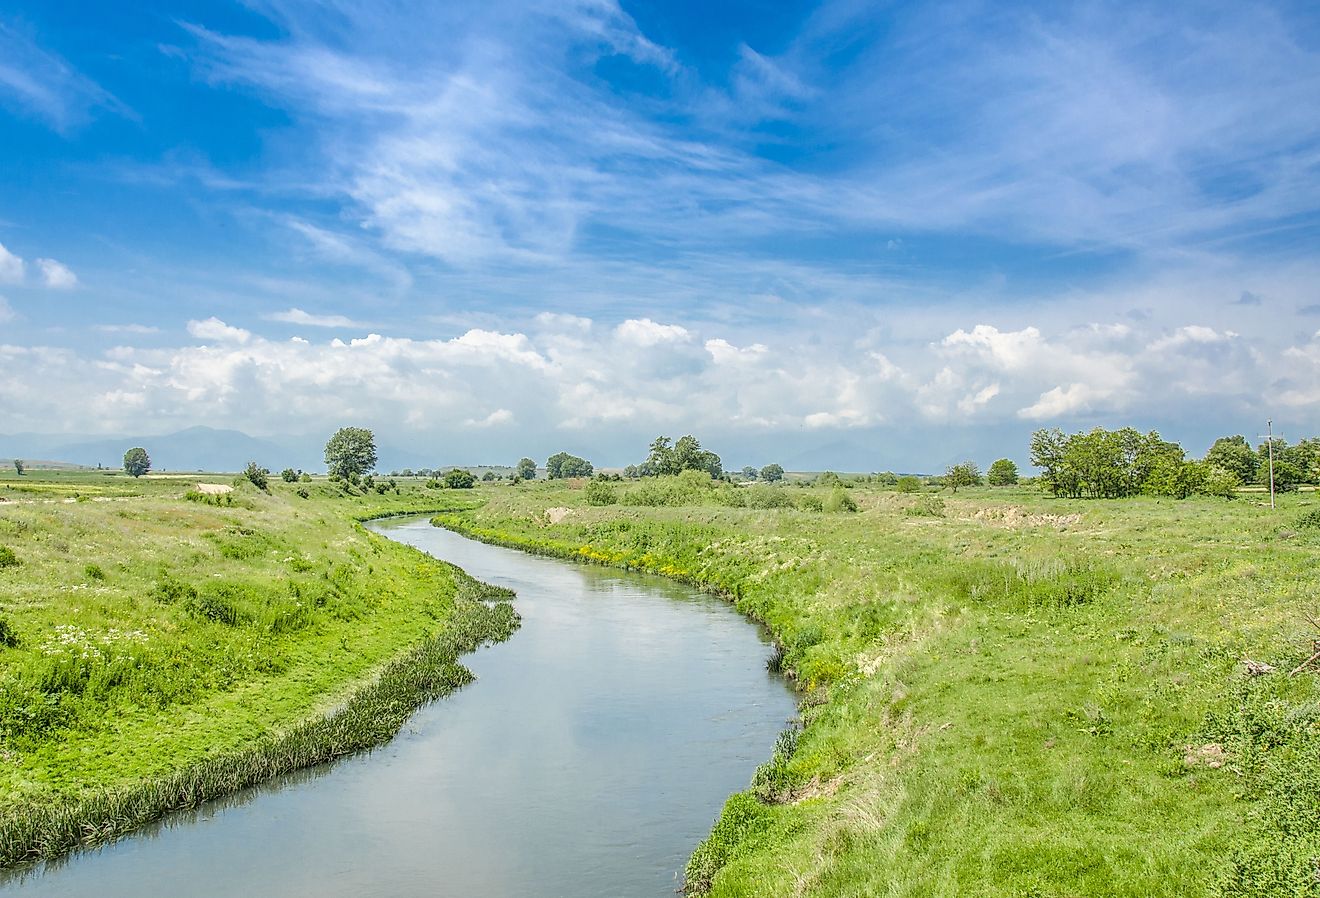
x=1003, y=694
x=160, y=646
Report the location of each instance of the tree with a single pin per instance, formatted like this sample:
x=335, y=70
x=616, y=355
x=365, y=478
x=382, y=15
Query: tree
x=136, y=462
x=1234, y=454
x=772, y=472
x=561, y=465
x=18, y=466
x=259, y=476
x=351, y=452
x=1002, y=473
x=289, y=475
x=632, y=472
x=526, y=469
x=748, y=472
x=488, y=476
x=458, y=479
x=963, y=474
x=668, y=458
x=908, y=484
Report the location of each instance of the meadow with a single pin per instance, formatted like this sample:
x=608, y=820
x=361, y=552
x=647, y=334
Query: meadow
x=1001, y=693
x=161, y=644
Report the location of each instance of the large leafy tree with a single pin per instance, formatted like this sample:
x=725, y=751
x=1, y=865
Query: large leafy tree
x=1002, y=472
x=526, y=469
x=351, y=452
x=136, y=462
x=561, y=465
x=1234, y=455
x=772, y=472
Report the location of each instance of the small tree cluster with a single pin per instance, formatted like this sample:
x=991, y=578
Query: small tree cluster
x=772, y=473
x=1106, y=464
x=289, y=475
x=668, y=458
x=562, y=465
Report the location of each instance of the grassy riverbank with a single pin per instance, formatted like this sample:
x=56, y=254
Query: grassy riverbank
x=160, y=646
x=1003, y=694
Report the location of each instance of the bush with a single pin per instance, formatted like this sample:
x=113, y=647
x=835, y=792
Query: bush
x=908, y=484
x=305, y=477
x=761, y=496
x=94, y=572
x=458, y=479
x=839, y=500
x=599, y=492
x=8, y=638
x=7, y=557
x=926, y=507
x=289, y=475
x=302, y=491
x=810, y=502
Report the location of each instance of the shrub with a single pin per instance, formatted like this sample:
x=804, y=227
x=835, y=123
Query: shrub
x=1310, y=520
x=600, y=492
x=304, y=477
x=458, y=479
x=289, y=475
x=94, y=572
x=7, y=557
x=908, y=484
x=839, y=500
x=302, y=491
x=926, y=507
x=761, y=496
x=8, y=638
x=810, y=502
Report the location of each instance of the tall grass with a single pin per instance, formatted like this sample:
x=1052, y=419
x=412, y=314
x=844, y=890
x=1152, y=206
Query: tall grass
x=370, y=716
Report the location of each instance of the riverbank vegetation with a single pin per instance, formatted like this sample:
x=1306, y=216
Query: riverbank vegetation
x=1003, y=692
x=164, y=640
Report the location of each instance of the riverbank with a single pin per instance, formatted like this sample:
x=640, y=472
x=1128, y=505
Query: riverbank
x=1003, y=694
x=161, y=645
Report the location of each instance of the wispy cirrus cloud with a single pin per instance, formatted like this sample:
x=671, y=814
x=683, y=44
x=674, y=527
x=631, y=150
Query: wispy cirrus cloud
x=38, y=82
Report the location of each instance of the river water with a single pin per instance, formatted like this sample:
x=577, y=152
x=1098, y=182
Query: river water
x=590, y=756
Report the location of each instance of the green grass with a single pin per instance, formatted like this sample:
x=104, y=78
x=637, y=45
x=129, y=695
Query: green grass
x=1002, y=693
x=156, y=651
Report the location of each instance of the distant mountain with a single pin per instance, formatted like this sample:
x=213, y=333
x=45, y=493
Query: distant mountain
x=197, y=448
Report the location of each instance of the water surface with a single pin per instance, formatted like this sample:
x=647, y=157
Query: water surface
x=590, y=756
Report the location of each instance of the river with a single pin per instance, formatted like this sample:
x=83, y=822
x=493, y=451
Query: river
x=590, y=756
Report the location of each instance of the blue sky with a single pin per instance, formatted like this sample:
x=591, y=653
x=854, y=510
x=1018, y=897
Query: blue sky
x=853, y=234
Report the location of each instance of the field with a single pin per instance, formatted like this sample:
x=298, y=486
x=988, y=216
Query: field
x=1003, y=694
x=160, y=644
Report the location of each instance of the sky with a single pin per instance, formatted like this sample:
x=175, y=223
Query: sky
x=843, y=234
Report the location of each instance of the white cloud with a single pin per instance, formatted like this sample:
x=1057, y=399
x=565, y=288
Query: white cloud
x=1191, y=334
x=127, y=329
x=1061, y=402
x=11, y=267
x=298, y=316
x=44, y=85
x=499, y=416
x=57, y=275
x=645, y=332
x=215, y=329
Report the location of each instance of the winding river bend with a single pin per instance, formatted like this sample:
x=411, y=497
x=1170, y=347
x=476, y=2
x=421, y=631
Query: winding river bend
x=588, y=759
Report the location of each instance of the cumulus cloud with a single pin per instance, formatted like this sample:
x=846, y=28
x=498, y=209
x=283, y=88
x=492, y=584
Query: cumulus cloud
x=127, y=329
x=56, y=275
x=298, y=316
x=644, y=377
x=215, y=329
x=645, y=332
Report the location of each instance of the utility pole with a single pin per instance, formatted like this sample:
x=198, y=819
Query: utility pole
x=1269, y=442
